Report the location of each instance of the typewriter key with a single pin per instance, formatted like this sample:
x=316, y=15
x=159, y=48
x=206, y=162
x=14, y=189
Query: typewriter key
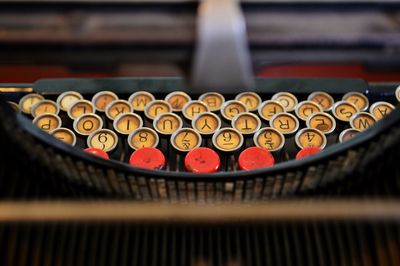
x=177, y=100
x=269, y=108
x=232, y=108
x=185, y=139
x=150, y=158
x=65, y=135
x=308, y=151
x=358, y=99
x=126, y=123
x=310, y=137
x=143, y=137
x=213, y=100
x=167, y=123
x=227, y=140
x=381, y=109
x=254, y=158
x=246, y=123
x=202, y=160
x=361, y=121
x=193, y=108
x=86, y=124
x=206, y=123
x=251, y=99
x=343, y=110
x=66, y=99
x=398, y=93
x=118, y=107
x=140, y=99
x=97, y=152
x=347, y=134
x=285, y=123
x=47, y=122
x=45, y=107
x=269, y=138
x=156, y=108
x=79, y=108
x=306, y=108
x=324, y=122
x=14, y=106
x=323, y=99
x=101, y=100
x=29, y=100
x=288, y=100
x=103, y=139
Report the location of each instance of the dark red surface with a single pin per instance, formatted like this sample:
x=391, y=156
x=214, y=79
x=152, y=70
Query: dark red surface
x=255, y=157
x=97, y=152
x=307, y=152
x=150, y=158
x=202, y=160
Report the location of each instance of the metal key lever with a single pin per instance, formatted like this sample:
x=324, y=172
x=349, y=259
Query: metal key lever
x=222, y=59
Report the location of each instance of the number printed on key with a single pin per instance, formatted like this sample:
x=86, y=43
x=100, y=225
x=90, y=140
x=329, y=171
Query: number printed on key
x=103, y=139
x=143, y=137
x=269, y=138
x=185, y=139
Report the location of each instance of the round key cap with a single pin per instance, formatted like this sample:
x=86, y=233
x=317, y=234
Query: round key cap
x=79, y=108
x=398, y=93
x=47, y=122
x=306, y=108
x=381, y=109
x=65, y=135
x=101, y=100
x=177, y=100
x=232, y=108
x=324, y=122
x=143, y=137
x=126, y=123
x=323, y=99
x=202, y=160
x=185, y=139
x=251, y=99
x=29, y=100
x=307, y=152
x=343, y=110
x=150, y=158
x=45, y=107
x=227, y=140
x=310, y=137
x=167, y=123
x=269, y=138
x=97, y=152
x=358, y=99
x=156, y=108
x=246, y=123
x=66, y=99
x=103, y=139
x=118, y=107
x=140, y=99
x=361, y=121
x=268, y=109
x=193, y=108
x=254, y=158
x=285, y=123
x=87, y=124
x=14, y=106
x=288, y=100
x=348, y=134
x=206, y=123
x=214, y=100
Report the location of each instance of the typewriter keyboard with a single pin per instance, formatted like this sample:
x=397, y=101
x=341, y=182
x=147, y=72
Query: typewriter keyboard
x=204, y=133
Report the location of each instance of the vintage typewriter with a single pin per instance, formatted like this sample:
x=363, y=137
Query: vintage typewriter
x=212, y=165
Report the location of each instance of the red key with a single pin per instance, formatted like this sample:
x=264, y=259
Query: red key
x=202, y=160
x=307, y=152
x=97, y=152
x=255, y=157
x=150, y=158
